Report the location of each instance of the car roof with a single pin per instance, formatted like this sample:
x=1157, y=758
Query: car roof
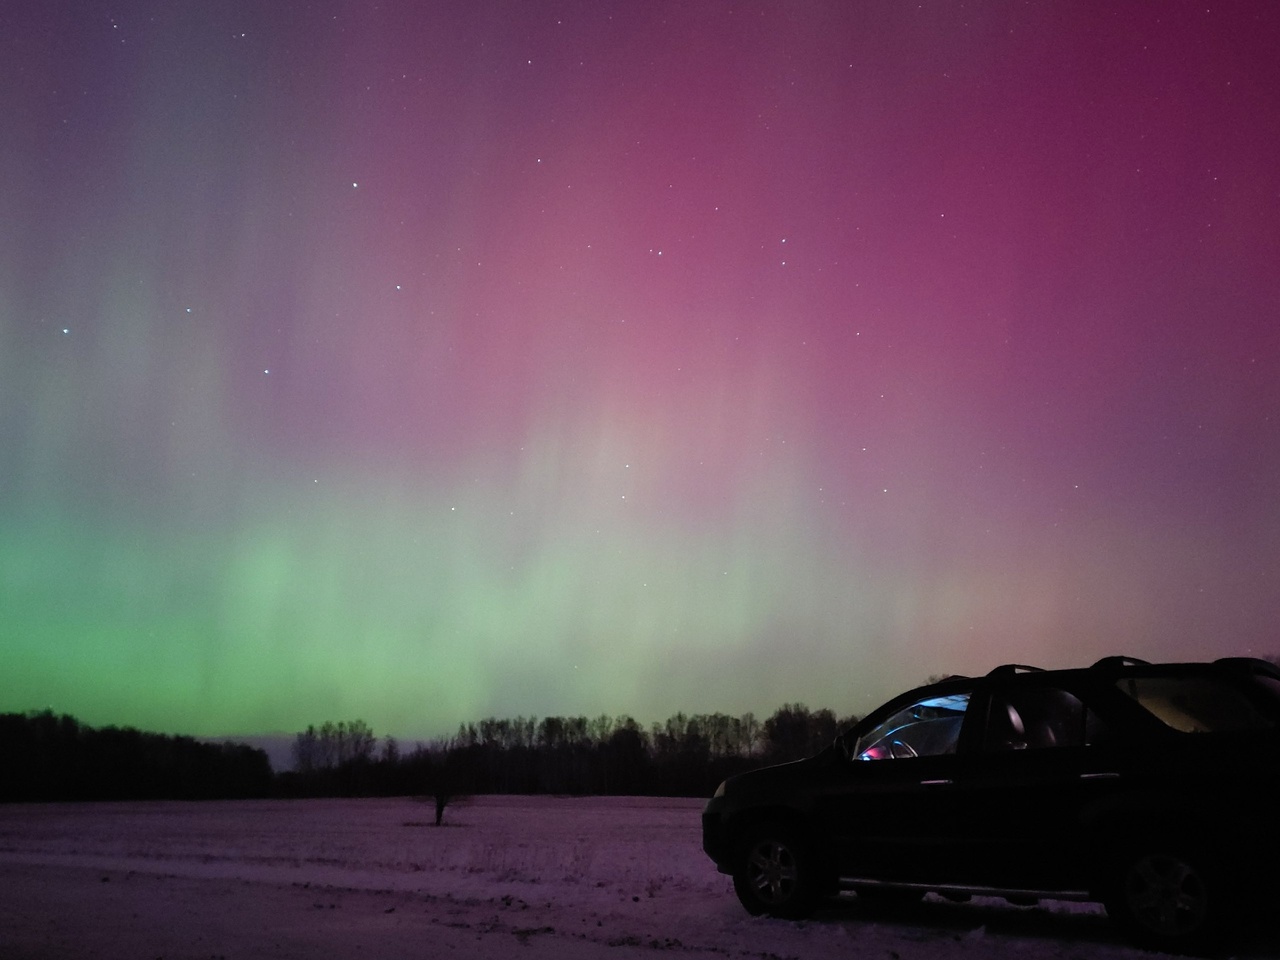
x=1119, y=666
x=1107, y=670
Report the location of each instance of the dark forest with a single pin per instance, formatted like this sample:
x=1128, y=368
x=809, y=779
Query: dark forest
x=49, y=757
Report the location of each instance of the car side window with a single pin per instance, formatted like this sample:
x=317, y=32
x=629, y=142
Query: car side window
x=1039, y=718
x=1195, y=704
x=928, y=728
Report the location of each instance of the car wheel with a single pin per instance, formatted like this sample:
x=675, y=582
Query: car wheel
x=776, y=874
x=1167, y=901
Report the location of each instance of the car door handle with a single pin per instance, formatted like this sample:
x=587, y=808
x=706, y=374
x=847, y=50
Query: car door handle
x=1109, y=775
x=934, y=783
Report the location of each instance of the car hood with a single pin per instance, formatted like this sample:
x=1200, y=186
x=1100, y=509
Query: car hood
x=794, y=775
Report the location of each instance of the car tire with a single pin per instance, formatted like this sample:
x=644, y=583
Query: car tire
x=1169, y=901
x=777, y=873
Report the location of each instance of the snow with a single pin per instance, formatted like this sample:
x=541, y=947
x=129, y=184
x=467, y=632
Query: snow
x=529, y=877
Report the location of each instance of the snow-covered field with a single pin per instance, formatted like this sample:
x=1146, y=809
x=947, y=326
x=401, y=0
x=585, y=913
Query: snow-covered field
x=528, y=877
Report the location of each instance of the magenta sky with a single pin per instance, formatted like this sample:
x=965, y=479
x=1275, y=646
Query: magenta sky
x=422, y=361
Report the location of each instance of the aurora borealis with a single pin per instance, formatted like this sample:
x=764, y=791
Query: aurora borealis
x=428, y=361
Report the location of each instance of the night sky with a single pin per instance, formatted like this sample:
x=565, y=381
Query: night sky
x=424, y=361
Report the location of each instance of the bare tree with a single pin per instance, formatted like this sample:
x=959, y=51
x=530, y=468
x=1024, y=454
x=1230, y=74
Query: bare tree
x=359, y=742
x=305, y=751
x=390, y=751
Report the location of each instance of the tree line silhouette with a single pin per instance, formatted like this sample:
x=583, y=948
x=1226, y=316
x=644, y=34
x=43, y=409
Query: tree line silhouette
x=688, y=755
x=48, y=757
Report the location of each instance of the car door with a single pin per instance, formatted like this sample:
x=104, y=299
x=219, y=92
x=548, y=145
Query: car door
x=1022, y=787
x=886, y=806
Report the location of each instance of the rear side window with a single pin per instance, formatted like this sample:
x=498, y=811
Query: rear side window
x=1195, y=704
x=1039, y=718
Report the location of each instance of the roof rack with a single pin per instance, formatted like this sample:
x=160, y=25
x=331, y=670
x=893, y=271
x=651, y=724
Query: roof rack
x=1111, y=662
x=1252, y=664
x=1007, y=669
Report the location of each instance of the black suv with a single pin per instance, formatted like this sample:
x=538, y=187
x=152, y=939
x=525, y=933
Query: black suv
x=1151, y=788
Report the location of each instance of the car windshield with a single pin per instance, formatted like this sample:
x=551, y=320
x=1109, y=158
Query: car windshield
x=1196, y=704
x=927, y=728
